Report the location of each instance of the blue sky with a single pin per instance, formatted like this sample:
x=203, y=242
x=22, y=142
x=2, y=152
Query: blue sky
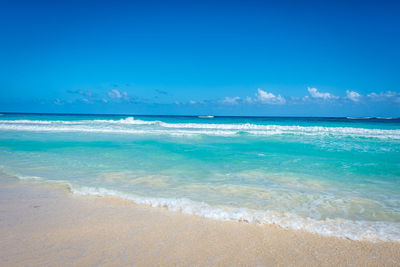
x=289, y=58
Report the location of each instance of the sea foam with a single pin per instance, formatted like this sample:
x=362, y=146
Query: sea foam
x=355, y=230
x=131, y=126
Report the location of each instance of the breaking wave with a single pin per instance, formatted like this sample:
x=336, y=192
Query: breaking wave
x=131, y=126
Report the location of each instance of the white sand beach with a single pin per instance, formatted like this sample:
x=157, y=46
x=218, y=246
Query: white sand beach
x=46, y=225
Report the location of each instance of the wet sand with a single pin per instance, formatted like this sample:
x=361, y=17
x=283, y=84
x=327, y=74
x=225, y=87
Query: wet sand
x=46, y=225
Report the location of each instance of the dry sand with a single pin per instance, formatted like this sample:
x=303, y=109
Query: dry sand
x=46, y=225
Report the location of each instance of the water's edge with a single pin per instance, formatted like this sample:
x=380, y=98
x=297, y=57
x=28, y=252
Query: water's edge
x=353, y=230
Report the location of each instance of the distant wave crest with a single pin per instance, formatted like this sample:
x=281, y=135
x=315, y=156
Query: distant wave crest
x=131, y=126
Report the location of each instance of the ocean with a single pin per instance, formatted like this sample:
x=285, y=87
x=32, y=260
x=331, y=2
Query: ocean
x=331, y=176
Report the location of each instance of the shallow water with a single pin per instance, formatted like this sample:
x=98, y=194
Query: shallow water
x=333, y=176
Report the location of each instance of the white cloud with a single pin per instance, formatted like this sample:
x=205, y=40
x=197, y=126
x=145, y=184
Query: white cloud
x=385, y=96
x=231, y=100
x=269, y=98
x=373, y=95
x=249, y=100
x=114, y=93
x=353, y=95
x=315, y=94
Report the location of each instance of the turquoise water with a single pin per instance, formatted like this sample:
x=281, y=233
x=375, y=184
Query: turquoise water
x=332, y=176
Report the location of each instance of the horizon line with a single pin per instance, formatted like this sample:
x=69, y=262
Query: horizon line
x=220, y=116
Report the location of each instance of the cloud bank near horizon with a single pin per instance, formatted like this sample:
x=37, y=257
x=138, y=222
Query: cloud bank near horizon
x=260, y=97
x=314, y=96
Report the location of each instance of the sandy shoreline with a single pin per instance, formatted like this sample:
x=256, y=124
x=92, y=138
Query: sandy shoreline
x=45, y=225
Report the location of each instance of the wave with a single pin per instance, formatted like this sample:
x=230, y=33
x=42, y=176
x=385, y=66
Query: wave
x=355, y=230
x=117, y=131
x=205, y=117
x=359, y=118
x=129, y=120
x=131, y=126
